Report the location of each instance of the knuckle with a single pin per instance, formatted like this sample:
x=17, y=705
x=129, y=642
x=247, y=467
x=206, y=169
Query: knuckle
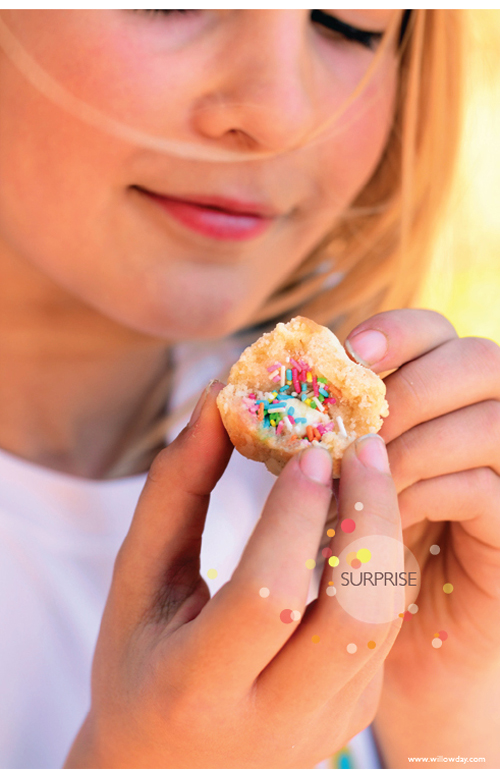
x=484, y=481
x=484, y=353
x=159, y=466
x=490, y=413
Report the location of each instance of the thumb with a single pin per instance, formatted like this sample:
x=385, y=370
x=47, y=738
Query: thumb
x=158, y=564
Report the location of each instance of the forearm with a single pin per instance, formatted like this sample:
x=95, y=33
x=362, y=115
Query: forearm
x=447, y=718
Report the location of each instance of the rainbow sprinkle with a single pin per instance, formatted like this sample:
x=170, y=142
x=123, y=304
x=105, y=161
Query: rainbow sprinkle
x=295, y=379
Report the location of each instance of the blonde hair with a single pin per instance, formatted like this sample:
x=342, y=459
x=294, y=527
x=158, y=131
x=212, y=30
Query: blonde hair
x=382, y=244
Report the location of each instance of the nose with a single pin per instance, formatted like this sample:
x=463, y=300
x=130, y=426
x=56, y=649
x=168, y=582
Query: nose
x=260, y=93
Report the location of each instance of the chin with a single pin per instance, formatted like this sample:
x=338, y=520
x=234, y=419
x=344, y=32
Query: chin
x=179, y=319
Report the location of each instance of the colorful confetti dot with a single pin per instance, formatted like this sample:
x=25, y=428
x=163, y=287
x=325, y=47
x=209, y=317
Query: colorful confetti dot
x=315, y=639
x=212, y=573
x=326, y=553
x=371, y=645
x=310, y=563
x=351, y=648
x=401, y=615
x=264, y=592
x=447, y=588
x=358, y=506
x=331, y=590
x=434, y=549
x=330, y=582
x=355, y=564
x=407, y=616
x=295, y=615
x=364, y=555
x=348, y=525
x=333, y=561
x=286, y=616
x=437, y=643
x=330, y=532
x=413, y=608
x=443, y=636
x=350, y=556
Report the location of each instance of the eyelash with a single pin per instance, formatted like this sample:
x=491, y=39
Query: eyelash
x=351, y=34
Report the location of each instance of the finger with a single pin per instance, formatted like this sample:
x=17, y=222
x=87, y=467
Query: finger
x=444, y=380
x=245, y=627
x=466, y=438
x=158, y=562
x=388, y=340
x=470, y=497
x=468, y=555
x=317, y=660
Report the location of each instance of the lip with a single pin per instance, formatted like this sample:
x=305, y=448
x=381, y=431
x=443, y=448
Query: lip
x=215, y=216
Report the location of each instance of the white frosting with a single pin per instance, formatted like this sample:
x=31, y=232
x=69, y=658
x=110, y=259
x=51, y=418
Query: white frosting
x=313, y=416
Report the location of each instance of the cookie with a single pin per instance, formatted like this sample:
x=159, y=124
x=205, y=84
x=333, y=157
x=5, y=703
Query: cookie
x=296, y=386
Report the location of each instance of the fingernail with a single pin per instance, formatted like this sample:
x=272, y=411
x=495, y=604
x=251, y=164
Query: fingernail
x=200, y=403
x=367, y=347
x=316, y=464
x=372, y=452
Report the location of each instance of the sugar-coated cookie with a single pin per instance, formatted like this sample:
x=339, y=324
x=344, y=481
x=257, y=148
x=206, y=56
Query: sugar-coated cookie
x=296, y=386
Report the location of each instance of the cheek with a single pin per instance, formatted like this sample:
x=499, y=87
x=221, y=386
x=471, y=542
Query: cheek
x=359, y=138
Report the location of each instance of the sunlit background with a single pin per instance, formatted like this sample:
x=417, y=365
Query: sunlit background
x=465, y=280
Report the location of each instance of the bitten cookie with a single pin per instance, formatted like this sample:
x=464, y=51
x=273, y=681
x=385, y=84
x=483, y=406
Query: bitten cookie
x=296, y=386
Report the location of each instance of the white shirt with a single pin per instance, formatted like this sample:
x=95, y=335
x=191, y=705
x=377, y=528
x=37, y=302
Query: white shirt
x=59, y=536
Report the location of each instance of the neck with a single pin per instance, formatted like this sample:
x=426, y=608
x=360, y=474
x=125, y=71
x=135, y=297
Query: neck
x=74, y=384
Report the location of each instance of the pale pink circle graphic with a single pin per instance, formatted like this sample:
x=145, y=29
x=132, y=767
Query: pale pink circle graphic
x=375, y=591
x=437, y=643
x=286, y=616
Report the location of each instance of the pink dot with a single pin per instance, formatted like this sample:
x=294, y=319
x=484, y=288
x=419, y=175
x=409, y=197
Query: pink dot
x=286, y=616
x=356, y=563
x=443, y=635
x=348, y=525
x=407, y=615
x=326, y=552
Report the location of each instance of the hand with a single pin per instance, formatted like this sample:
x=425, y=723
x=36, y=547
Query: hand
x=180, y=679
x=443, y=441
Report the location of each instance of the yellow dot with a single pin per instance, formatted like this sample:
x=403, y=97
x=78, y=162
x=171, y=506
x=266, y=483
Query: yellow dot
x=310, y=563
x=330, y=532
x=371, y=645
x=436, y=634
x=364, y=555
x=447, y=588
x=315, y=639
x=330, y=582
x=333, y=561
x=401, y=615
x=212, y=573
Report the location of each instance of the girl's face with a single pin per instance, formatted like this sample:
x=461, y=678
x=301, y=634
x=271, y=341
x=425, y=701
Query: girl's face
x=116, y=224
